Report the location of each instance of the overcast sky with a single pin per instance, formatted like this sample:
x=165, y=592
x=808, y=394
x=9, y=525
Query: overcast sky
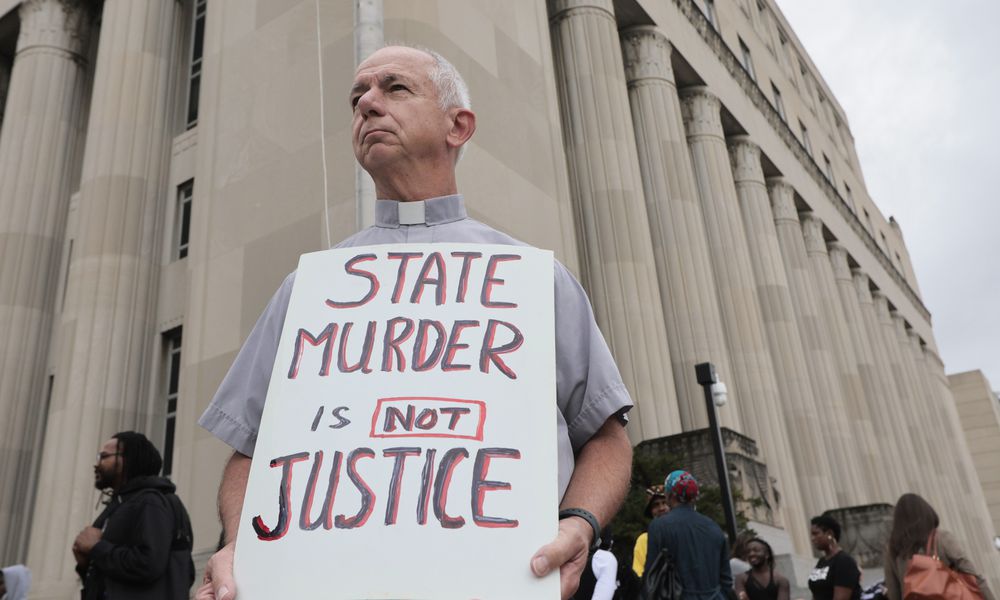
x=920, y=83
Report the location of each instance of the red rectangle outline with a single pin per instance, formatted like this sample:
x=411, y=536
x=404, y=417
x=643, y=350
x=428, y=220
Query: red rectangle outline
x=479, y=429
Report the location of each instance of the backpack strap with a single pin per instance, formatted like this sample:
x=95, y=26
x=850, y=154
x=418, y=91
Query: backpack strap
x=183, y=538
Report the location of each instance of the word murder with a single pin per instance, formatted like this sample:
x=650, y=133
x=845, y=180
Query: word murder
x=428, y=343
x=432, y=496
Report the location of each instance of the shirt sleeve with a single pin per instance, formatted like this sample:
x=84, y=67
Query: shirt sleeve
x=605, y=567
x=589, y=387
x=234, y=414
x=844, y=572
x=639, y=554
x=951, y=551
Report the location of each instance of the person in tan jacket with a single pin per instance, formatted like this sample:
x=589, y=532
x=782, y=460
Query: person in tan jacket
x=912, y=522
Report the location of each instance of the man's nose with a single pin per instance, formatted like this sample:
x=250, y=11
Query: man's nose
x=370, y=103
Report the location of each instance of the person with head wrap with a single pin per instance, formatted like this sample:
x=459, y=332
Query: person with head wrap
x=655, y=506
x=695, y=543
x=15, y=583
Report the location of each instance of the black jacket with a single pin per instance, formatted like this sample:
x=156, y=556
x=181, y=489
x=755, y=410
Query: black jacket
x=145, y=547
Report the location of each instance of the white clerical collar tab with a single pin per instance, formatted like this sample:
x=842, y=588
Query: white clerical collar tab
x=412, y=213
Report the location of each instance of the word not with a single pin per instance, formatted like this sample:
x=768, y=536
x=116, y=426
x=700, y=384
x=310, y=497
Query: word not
x=396, y=336
x=428, y=417
x=433, y=273
x=433, y=493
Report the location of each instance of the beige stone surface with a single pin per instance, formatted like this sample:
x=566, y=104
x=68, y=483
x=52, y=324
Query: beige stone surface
x=683, y=266
x=833, y=427
x=39, y=168
x=784, y=418
x=894, y=482
x=616, y=250
x=979, y=411
x=103, y=381
x=857, y=409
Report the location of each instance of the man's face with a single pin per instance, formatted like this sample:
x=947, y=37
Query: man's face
x=109, y=466
x=659, y=507
x=397, y=118
x=756, y=554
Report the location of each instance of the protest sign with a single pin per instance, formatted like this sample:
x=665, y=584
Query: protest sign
x=407, y=447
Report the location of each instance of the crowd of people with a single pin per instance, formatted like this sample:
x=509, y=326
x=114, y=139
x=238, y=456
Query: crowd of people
x=702, y=566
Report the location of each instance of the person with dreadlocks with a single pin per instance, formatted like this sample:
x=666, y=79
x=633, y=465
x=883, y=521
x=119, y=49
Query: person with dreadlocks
x=139, y=547
x=761, y=582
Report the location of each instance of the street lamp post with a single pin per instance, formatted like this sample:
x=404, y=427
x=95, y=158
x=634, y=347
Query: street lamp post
x=715, y=394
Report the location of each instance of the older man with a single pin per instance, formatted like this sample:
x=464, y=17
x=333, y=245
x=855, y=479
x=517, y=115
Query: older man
x=411, y=119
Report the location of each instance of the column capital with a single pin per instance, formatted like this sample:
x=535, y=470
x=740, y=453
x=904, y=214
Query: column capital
x=915, y=339
x=862, y=285
x=744, y=155
x=898, y=319
x=782, y=200
x=881, y=305
x=56, y=24
x=560, y=9
x=838, y=260
x=646, y=53
x=812, y=233
x=701, y=111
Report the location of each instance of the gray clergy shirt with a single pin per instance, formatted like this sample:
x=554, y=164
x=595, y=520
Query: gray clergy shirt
x=589, y=388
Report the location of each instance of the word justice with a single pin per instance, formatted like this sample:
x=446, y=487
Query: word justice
x=435, y=484
x=428, y=343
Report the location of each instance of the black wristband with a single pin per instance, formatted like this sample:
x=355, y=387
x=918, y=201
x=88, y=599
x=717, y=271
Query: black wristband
x=587, y=516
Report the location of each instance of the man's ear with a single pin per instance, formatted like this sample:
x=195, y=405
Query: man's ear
x=463, y=125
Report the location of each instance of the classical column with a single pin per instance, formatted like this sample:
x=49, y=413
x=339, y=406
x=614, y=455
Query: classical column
x=930, y=426
x=907, y=391
x=104, y=364
x=616, y=251
x=833, y=432
x=39, y=156
x=684, y=271
x=369, y=36
x=785, y=420
x=753, y=370
x=4, y=83
x=859, y=418
x=891, y=396
x=875, y=392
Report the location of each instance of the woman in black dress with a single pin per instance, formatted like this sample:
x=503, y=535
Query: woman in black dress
x=836, y=575
x=761, y=582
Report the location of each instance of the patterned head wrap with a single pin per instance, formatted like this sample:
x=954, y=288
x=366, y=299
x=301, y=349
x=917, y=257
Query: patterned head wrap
x=683, y=485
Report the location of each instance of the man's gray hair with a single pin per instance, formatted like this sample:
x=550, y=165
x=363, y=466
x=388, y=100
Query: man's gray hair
x=451, y=88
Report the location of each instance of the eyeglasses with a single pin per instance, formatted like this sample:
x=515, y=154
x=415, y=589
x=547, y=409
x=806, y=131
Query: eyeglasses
x=102, y=455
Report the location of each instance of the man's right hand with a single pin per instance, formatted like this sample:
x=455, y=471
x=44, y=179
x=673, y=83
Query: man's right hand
x=218, y=583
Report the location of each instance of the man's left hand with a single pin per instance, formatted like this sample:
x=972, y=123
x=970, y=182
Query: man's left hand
x=568, y=553
x=87, y=539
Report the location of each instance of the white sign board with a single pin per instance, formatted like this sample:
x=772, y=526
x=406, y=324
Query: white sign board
x=407, y=447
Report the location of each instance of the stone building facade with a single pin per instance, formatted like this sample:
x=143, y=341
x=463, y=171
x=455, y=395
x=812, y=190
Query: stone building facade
x=161, y=170
x=979, y=413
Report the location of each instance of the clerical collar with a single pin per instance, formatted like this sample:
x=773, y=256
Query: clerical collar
x=433, y=211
